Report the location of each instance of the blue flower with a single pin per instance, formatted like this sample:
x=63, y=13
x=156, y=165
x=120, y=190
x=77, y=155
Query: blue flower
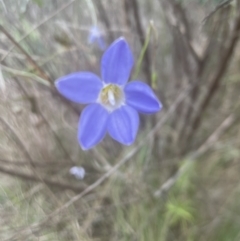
x=114, y=104
x=95, y=36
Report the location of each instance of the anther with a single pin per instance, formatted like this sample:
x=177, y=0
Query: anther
x=111, y=97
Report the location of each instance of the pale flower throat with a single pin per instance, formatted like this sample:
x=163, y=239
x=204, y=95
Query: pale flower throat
x=111, y=97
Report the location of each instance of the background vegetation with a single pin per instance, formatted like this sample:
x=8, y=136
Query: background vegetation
x=179, y=181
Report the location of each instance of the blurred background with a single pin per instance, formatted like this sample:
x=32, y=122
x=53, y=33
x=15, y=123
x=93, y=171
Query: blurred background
x=179, y=180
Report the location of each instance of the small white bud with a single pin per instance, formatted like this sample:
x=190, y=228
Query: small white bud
x=78, y=172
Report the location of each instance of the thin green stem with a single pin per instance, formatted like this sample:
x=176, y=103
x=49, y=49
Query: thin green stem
x=143, y=51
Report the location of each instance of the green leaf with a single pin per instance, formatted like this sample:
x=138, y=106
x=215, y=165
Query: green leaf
x=180, y=212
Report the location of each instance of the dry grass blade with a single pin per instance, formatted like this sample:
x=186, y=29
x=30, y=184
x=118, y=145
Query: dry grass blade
x=27, y=75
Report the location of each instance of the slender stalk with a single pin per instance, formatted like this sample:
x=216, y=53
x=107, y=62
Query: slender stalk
x=147, y=58
x=143, y=53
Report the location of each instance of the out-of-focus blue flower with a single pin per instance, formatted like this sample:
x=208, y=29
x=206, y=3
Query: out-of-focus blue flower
x=114, y=104
x=95, y=36
x=78, y=172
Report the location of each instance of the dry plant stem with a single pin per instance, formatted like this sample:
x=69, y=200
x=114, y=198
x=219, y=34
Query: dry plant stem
x=193, y=157
x=29, y=58
x=179, y=26
x=187, y=116
x=29, y=177
x=38, y=164
x=216, y=79
x=126, y=158
x=186, y=132
x=217, y=8
x=38, y=25
x=147, y=57
x=36, y=176
x=190, y=48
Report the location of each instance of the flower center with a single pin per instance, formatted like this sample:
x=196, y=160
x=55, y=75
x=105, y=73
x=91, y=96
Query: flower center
x=111, y=97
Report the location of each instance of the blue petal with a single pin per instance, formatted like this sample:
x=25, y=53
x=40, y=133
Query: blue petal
x=92, y=126
x=141, y=97
x=123, y=125
x=117, y=63
x=80, y=87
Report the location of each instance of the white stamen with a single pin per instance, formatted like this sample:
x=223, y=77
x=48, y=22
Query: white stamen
x=111, y=97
